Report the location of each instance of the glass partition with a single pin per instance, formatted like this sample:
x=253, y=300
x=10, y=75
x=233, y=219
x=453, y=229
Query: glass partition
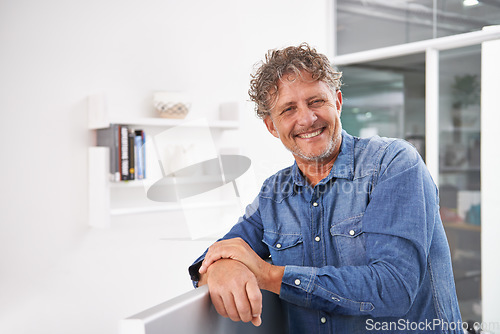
x=371, y=24
x=386, y=98
x=459, y=170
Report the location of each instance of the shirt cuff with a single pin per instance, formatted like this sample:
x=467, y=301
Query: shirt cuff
x=194, y=273
x=297, y=284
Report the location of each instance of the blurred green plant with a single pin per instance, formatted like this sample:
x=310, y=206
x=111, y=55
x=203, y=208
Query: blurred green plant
x=466, y=90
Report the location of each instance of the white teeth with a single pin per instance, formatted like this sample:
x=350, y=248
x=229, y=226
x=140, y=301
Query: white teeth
x=310, y=135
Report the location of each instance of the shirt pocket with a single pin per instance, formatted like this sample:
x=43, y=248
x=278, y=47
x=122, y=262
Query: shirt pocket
x=285, y=249
x=349, y=241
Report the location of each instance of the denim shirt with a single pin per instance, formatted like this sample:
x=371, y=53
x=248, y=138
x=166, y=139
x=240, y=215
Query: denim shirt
x=364, y=250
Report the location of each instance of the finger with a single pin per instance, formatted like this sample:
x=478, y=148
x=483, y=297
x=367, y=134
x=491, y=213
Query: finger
x=257, y=321
x=255, y=298
x=219, y=250
x=230, y=306
x=206, y=263
x=243, y=305
x=214, y=253
x=218, y=304
x=236, y=249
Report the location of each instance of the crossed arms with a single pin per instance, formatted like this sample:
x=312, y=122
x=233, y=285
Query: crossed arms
x=235, y=274
x=398, y=227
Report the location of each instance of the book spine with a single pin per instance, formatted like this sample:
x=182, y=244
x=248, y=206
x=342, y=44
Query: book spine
x=124, y=157
x=140, y=156
x=143, y=154
x=115, y=153
x=131, y=155
x=109, y=138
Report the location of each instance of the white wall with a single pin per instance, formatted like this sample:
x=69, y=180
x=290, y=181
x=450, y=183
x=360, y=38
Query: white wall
x=56, y=274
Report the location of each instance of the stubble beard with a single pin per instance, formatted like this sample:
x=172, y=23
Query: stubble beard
x=326, y=153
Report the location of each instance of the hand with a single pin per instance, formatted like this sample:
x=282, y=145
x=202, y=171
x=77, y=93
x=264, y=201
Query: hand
x=268, y=276
x=234, y=291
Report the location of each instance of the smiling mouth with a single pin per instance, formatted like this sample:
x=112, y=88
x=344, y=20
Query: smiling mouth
x=310, y=134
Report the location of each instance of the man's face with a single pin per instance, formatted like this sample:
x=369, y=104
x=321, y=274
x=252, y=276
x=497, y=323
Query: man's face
x=306, y=117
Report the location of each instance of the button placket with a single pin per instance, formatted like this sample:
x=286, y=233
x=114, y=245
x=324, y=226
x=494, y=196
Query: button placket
x=316, y=230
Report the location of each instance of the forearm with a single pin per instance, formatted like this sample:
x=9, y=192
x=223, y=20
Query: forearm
x=271, y=279
x=375, y=290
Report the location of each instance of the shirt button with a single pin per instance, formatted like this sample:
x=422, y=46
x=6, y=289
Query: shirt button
x=323, y=320
x=317, y=238
x=278, y=245
x=297, y=282
x=315, y=204
x=351, y=232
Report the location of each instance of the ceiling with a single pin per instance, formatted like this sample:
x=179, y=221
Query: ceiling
x=370, y=24
x=450, y=15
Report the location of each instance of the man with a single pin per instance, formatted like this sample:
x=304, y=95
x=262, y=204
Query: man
x=352, y=228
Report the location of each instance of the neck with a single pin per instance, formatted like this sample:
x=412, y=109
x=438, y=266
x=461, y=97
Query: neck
x=315, y=171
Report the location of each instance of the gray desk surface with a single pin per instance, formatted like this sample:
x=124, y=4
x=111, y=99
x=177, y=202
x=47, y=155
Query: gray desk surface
x=193, y=313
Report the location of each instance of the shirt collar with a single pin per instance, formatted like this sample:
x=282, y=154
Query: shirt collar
x=297, y=177
x=343, y=167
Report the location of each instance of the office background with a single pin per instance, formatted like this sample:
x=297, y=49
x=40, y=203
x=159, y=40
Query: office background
x=60, y=275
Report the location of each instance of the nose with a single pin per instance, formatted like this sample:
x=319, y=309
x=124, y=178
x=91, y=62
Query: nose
x=306, y=116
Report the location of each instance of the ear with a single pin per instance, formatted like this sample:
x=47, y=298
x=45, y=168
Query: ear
x=338, y=102
x=270, y=126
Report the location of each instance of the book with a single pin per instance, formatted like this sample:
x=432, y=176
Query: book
x=109, y=137
x=127, y=152
x=124, y=153
x=140, y=154
x=131, y=155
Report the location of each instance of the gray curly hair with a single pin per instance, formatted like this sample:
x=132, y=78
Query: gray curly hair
x=293, y=59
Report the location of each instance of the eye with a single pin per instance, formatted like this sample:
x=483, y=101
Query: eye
x=317, y=103
x=288, y=109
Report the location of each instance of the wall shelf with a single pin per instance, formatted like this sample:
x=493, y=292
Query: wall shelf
x=99, y=118
x=170, y=207
x=108, y=199
x=200, y=179
x=159, y=122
